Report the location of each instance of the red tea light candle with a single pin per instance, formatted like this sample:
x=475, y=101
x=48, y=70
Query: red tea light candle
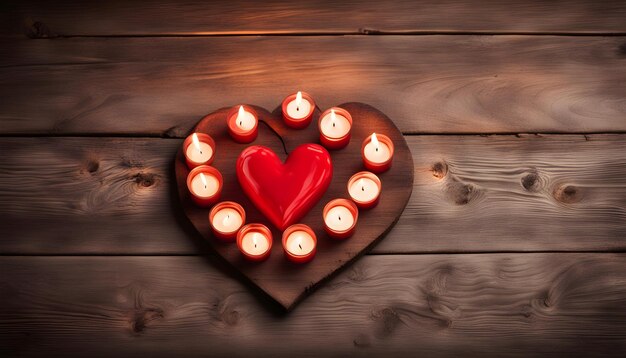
x=377, y=152
x=340, y=217
x=335, y=125
x=255, y=242
x=364, y=189
x=298, y=110
x=299, y=243
x=199, y=150
x=205, y=185
x=243, y=123
x=226, y=218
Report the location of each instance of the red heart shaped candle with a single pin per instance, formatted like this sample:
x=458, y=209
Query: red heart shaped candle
x=284, y=193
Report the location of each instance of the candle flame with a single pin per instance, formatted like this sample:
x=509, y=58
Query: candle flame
x=196, y=142
x=362, y=184
x=298, y=100
x=226, y=219
x=375, y=141
x=240, y=115
x=254, y=241
x=203, y=180
x=333, y=117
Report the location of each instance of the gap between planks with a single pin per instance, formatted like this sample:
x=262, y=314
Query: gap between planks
x=359, y=32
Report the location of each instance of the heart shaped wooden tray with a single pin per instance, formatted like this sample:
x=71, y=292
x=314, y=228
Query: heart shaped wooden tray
x=285, y=282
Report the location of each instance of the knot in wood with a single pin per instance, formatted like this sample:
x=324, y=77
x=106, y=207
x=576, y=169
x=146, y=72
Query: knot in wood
x=461, y=193
x=143, y=317
x=531, y=181
x=357, y=275
x=439, y=169
x=144, y=179
x=568, y=194
x=225, y=311
x=93, y=166
x=437, y=284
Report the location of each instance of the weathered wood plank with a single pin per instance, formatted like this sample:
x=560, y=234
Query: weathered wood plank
x=471, y=194
x=438, y=305
x=114, y=192
x=528, y=192
x=426, y=84
x=140, y=17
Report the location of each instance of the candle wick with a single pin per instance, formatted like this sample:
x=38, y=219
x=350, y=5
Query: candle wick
x=377, y=149
x=200, y=151
x=240, y=123
x=363, y=188
x=300, y=246
x=205, y=187
x=334, y=124
x=298, y=109
x=339, y=216
x=255, y=246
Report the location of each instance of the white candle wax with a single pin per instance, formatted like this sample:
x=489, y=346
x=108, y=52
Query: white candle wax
x=227, y=220
x=339, y=218
x=364, y=190
x=245, y=120
x=255, y=243
x=299, y=108
x=300, y=243
x=200, y=152
x=335, y=125
x=204, y=188
x=376, y=151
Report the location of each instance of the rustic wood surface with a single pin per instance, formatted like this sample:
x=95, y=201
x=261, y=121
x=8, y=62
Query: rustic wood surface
x=96, y=258
x=283, y=281
x=426, y=84
x=437, y=305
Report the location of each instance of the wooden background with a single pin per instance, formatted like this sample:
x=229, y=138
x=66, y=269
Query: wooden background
x=513, y=242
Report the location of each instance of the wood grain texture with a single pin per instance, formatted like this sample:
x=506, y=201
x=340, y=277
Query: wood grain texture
x=425, y=84
x=140, y=17
x=527, y=192
x=471, y=193
x=438, y=305
x=110, y=196
x=278, y=278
